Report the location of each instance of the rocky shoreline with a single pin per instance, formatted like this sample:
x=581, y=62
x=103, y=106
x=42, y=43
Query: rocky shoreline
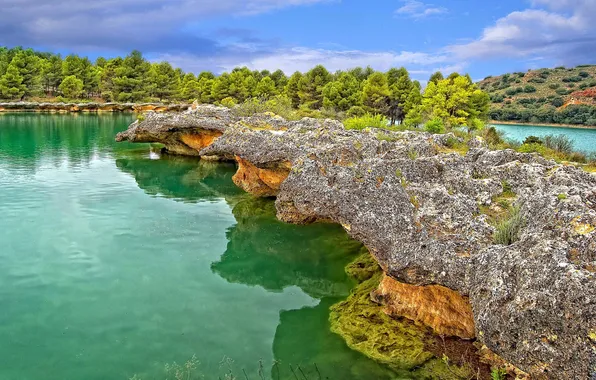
x=90, y=107
x=426, y=213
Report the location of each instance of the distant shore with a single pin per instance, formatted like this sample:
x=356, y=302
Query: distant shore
x=90, y=107
x=578, y=126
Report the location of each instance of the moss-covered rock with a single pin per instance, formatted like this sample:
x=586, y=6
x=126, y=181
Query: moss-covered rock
x=398, y=343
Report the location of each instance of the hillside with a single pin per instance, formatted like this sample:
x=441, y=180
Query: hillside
x=559, y=95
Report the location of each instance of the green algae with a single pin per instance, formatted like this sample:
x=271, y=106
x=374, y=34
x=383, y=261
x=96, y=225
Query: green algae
x=400, y=344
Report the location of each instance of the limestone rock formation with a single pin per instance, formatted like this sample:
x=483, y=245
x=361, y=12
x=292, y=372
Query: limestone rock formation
x=429, y=216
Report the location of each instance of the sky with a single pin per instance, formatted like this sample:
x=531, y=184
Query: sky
x=479, y=37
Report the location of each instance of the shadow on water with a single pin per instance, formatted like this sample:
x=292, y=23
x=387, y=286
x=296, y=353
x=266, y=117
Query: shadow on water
x=263, y=251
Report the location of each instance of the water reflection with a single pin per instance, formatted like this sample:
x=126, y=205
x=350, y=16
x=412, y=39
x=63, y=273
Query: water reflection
x=182, y=178
x=264, y=252
x=28, y=140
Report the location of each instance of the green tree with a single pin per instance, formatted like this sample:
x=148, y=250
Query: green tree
x=189, y=89
x=129, y=83
x=11, y=83
x=29, y=67
x=220, y=87
x=280, y=79
x=454, y=101
x=310, y=87
x=205, y=89
x=436, y=77
x=51, y=74
x=292, y=90
x=71, y=87
x=343, y=93
x=400, y=86
x=266, y=88
x=375, y=93
x=162, y=81
x=107, y=75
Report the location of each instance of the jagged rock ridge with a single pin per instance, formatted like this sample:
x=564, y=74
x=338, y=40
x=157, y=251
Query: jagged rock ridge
x=421, y=211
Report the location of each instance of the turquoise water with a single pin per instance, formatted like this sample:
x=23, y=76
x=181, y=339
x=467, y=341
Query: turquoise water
x=115, y=261
x=584, y=140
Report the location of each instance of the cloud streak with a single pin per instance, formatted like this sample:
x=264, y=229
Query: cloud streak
x=417, y=9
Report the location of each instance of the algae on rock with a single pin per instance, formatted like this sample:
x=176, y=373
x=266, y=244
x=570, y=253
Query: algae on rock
x=398, y=343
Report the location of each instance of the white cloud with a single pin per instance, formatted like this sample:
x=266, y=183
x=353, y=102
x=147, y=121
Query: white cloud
x=115, y=24
x=418, y=9
x=420, y=65
x=564, y=32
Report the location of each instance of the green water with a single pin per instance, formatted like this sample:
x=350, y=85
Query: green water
x=584, y=140
x=115, y=261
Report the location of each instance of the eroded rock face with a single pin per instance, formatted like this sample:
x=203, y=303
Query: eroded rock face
x=421, y=213
x=443, y=309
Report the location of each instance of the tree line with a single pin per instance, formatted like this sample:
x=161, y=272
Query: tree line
x=455, y=100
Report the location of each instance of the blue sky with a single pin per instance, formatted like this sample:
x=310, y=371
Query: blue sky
x=479, y=37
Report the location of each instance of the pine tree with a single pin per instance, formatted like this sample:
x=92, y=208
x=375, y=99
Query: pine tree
x=51, y=74
x=310, y=87
x=266, y=88
x=29, y=67
x=343, y=93
x=130, y=83
x=291, y=89
x=72, y=87
x=375, y=94
x=11, y=83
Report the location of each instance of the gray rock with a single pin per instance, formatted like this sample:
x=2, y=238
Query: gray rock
x=418, y=210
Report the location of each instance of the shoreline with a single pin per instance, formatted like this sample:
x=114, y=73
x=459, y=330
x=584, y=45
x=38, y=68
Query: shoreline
x=91, y=107
x=570, y=126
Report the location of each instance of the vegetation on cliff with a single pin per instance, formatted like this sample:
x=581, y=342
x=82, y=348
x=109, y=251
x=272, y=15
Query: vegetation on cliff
x=559, y=95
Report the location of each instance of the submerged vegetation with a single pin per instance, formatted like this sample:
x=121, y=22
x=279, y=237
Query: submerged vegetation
x=398, y=343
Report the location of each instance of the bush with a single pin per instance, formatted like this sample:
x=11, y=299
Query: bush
x=554, y=86
x=559, y=143
x=537, y=80
x=492, y=136
x=584, y=74
x=435, y=126
x=532, y=140
x=356, y=111
x=507, y=230
x=279, y=105
x=366, y=121
x=228, y=102
x=529, y=88
x=557, y=102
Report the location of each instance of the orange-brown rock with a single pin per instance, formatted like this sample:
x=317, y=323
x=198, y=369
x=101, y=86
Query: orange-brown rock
x=202, y=140
x=442, y=309
x=263, y=182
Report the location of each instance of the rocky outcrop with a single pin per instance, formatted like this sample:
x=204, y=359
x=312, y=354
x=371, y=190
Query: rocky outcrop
x=91, y=107
x=426, y=215
x=442, y=309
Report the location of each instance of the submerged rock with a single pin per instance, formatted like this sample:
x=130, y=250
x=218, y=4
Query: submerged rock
x=431, y=219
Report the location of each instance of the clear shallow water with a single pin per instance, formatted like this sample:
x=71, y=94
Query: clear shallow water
x=583, y=139
x=115, y=261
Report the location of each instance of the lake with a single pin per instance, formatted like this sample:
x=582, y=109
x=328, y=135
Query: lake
x=115, y=261
x=583, y=139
